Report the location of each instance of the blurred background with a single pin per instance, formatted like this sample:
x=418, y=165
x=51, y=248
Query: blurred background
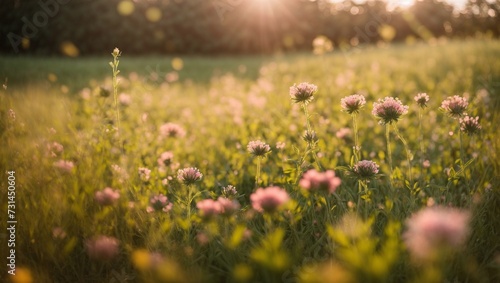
x=93, y=27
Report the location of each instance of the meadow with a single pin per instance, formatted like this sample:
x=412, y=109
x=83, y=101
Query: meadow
x=228, y=169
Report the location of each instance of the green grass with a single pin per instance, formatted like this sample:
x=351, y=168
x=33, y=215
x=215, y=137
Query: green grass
x=222, y=104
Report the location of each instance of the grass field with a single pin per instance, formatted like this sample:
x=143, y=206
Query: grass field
x=69, y=131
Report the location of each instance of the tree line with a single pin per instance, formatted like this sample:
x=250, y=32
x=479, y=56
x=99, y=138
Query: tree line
x=228, y=26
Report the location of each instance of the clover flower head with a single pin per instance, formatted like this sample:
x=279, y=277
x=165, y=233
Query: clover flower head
x=144, y=174
x=269, y=200
x=171, y=130
x=229, y=206
x=470, y=125
x=258, y=148
x=303, y=93
x=353, y=103
x=189, y=176
x=165, y=158
x=435, y=229
x=422, y=99
x=310, y=137
x=108, y=196
x=209, y=208
x=229, y=191
x=455, y=106
x=388, y=110
x=365, y=169
x=102, y=248
x=313, y=180
x=159, y=203
x=64, y=166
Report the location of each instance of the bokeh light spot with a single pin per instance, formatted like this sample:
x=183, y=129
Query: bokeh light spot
x=153, y=14
x=387, y=32
x=25, y=43
x=52, y=77
x=125, y=8
x=69, y=49
x=177, y=64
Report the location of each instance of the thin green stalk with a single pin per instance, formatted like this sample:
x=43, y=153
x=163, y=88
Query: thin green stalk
x=421, y=139
x=309, y=129
x=311, y=146
x=461, y=152
x=357, y=148
x=114, y=66
x=257, y=175
x=362, y=188
x=188, y=206
x=408, y=153
x=389, y=153
x=462, y=162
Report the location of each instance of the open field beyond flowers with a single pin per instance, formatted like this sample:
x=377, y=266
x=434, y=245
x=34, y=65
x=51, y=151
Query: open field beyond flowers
x=254, y=169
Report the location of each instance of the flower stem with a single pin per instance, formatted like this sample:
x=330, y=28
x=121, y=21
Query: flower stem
x=461, y=153
x=309, y=129
x=389, y=153
x=311, y=145
x=408, y=153
x=357, y=148
x=421, y=138
x=188, y=206
x=114, y=66
x=257, y=175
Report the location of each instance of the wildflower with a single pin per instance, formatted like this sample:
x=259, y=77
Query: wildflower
x=58, y=233
x=422, y=99
x=228, y=206
x=229, y=191
x=202, y=238
x=303, y=93
x=55, y=149
x=313, y=180
x=436, y=228
x=365, y=169
x=389, y=110
x=455, y=106
x=209, y=208
x=343, y=133
x=171, y=130
x=159, y=203
x=108, y=196
x=310, y=137
x=102, y=248
x=280, y=145
x=353, y=103
x=124, y=99
x=426, y=163
x=269, y=199
x=104, y=91
x=116, y=52
x=12, y=115
x=64, y=166
x=189, y=176
x=470, y=125
x=144, y=174
x=165, y=158
x=119, y=173
x=258, y=148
